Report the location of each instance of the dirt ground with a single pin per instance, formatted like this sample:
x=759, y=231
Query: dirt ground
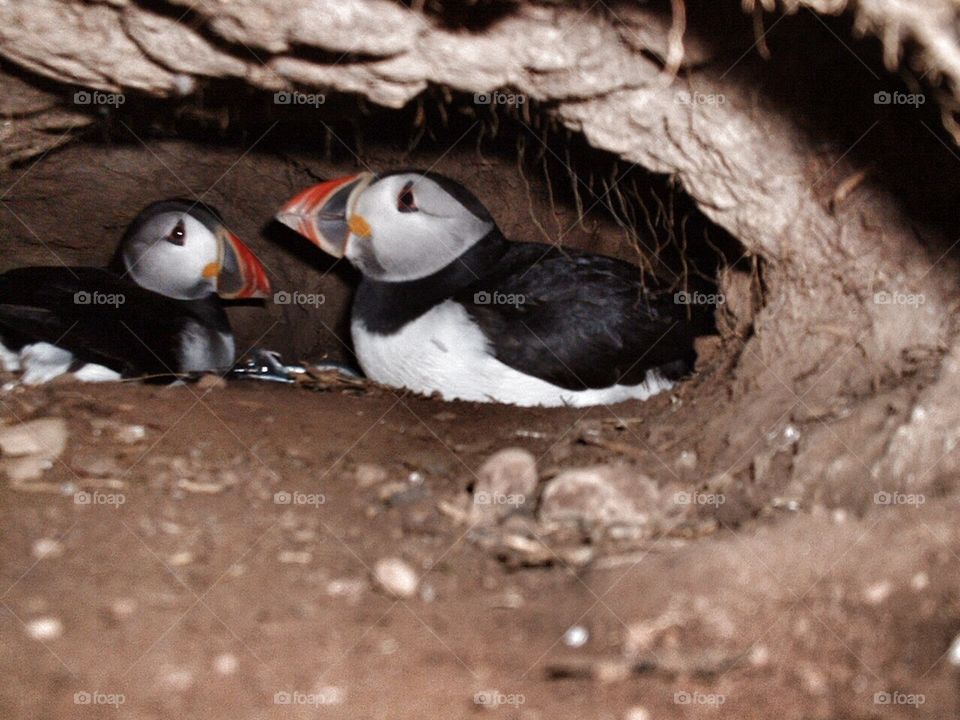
x=179, y=583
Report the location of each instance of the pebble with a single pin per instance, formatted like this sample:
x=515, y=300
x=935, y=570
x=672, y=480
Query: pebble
x=369, y=474
x=211, y=382
x=637, y=713
x=506, y=482
x=184, y=557
x=47, y=548
x=878, y=592
x=130, y=434
x=225, y=664
x=687, y=460
x=123, y=607
x=576, y=636
x=45, y=628
x=396, y=578
x=298, y=557
x=920, y=581
x=953, y=654
x=602, y=495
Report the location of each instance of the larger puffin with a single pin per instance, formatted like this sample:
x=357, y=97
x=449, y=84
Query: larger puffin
x=155, y=311
x=447, y=304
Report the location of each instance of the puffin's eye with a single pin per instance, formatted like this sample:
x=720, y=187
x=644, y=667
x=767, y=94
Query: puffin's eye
x=178, y=236
x=405, y=200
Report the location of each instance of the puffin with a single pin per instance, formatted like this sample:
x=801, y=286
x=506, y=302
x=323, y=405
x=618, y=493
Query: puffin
x=447, y=304
x=156, y=310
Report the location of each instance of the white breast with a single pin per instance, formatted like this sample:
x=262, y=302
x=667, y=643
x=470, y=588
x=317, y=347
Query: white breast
x=444, y=351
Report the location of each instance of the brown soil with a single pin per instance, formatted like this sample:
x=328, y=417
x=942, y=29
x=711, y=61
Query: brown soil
x=200, y=596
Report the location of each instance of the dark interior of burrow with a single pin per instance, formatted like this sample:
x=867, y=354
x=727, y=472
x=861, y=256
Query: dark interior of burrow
x=243, y=153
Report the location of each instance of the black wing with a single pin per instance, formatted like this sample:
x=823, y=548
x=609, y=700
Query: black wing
x=578, y=320
x=94, y=314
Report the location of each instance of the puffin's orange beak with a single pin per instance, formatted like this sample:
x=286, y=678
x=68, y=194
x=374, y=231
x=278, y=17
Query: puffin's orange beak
x=239, y=274
x=322, y=213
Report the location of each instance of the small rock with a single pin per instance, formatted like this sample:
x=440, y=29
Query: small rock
x=30, y=448
x=298, y=557
x=130, y=434
x=47, y=548
x=919, y=582
x=94, y=464
x=878, y=592
x=576, y=636
x=396, y=578
x=211, y=382
x=686, y=461
x=506, y=482
x=603, y=495
x=178, y=679
x=225, y=664
x=370, y=474
x=953, y=654
x=637, y=713
x=123, y=607
x=45, y=628
x=184, y=557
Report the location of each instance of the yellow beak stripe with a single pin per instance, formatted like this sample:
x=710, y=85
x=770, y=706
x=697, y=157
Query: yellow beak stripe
x=358, y=226
x=211, y=270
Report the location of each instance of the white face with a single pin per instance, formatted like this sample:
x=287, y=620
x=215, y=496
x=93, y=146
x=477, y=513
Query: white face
x=405, y=227
x=173, y=254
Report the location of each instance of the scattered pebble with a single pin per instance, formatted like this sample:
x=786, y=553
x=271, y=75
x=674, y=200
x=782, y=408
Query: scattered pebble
x=178, y=679
x=123, y=607
x=878, y=592
x=759, y=655
x=604, y=496
x=791, y=434
x=130, y=434
x=396, y=578
x=346, y=587
x=637, y=713
x=953, y=654
x=506, y=482
x=576, y=636
x=45, y=628
x=47, y=548
x=369, y=474
x=298, y=557
x=920, y=581
x=687, y=460
x=184, y=557
x=225, y=664
x=30, y=448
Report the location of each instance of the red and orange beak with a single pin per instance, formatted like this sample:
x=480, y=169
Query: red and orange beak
x=239, y=274
x=322, y=213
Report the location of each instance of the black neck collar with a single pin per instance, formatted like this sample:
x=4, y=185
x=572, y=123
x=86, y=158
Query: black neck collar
x=384, y=307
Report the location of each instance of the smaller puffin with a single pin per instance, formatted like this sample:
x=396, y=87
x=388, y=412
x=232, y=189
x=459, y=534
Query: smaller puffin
x=156, y=310
x=447, y=304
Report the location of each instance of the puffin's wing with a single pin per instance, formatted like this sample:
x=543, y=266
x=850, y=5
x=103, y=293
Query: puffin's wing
x=577, y=320
x=94, y=314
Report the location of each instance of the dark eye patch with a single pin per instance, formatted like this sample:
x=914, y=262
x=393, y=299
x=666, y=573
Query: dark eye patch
x=405, y=200
x=178, y=236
